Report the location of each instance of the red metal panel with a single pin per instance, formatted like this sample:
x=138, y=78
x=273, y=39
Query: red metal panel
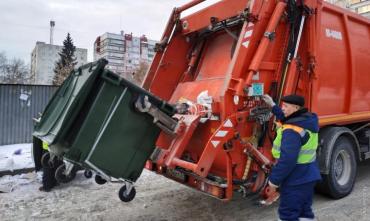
x=342, y=83
x=360, y=43
x=221, y=10
x=170, y=68
x=158, y=56
x=217, y=54
x=191, y=90
x=332, y=66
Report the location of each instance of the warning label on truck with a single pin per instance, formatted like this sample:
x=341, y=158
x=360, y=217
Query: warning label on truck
x=333, y=34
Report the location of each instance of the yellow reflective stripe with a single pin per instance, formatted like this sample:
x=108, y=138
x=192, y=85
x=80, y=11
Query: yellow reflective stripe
x=312, y=159
x=302, y=133
x=276, y=147
x=309, y=151
x=297, y=129
x=275, y=151
x=278, y=124
x=45, y=145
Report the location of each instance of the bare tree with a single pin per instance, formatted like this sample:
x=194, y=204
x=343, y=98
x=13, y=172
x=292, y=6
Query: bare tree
x=3, y=65
x=140, y=72
x=3, y=59
x=14, y=71
x=63, y=73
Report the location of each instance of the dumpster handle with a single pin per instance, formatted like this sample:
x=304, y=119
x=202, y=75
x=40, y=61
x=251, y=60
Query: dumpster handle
x=78, y=72
x=111, y=78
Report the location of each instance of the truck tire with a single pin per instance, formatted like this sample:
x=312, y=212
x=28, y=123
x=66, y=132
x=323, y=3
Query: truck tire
x=342, y=172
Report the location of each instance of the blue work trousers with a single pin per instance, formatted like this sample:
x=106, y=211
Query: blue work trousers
x=296, y=202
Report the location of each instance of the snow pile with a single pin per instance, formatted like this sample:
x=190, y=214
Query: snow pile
x=10, y=183
x=15, y=157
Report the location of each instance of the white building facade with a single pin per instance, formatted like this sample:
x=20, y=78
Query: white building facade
x=43, y=59
x=361, y=7
x=124, y=52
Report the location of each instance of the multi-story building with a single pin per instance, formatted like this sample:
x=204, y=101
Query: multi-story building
x=361, y=7
x=124, y=52
x=43, y=59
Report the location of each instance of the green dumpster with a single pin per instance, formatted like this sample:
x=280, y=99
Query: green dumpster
x=115, y=139
x=94, y=121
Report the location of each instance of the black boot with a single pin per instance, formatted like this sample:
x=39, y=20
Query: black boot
x=44, y=189
x=48, y=179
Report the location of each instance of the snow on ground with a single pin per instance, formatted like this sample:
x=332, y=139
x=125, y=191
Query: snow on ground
x=15, y=156
x=83, y=199
x=157, y=199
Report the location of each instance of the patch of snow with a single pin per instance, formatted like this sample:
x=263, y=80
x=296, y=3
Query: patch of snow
x=15, y=157
x=9, y=183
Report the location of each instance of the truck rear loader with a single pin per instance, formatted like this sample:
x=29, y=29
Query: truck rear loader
x=236, y=50
x=203, y=91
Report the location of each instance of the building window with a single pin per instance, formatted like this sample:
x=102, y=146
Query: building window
x=363, y=9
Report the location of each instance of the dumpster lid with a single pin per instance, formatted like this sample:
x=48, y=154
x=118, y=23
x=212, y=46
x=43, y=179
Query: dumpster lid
x=67, y=101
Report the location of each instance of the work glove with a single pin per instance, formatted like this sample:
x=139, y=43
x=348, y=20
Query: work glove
x=182, y=108
x=271, y=194
x=268, y=100
x=272, y=186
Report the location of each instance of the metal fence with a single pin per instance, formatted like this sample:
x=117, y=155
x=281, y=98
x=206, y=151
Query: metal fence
x=18, y=105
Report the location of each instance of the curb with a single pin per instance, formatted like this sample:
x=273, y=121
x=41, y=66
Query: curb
x=16, y=172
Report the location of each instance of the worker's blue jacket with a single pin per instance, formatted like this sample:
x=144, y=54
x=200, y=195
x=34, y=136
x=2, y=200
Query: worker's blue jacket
x=287, y=172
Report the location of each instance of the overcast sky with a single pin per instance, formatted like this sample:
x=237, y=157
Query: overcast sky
x=23, y=22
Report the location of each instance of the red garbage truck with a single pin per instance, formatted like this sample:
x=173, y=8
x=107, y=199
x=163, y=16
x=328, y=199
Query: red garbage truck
x=218, y=61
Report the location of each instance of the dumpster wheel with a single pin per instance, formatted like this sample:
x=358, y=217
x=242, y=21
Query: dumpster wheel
x=99, y=180
x=125, y=195
x=62, y=177
x=88, y=174
x=45, y=161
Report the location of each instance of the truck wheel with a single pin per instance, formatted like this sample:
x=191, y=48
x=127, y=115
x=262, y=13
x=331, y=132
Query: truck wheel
x=125, y=196
x=99, y=180
x=62, y=177
x=342, y=173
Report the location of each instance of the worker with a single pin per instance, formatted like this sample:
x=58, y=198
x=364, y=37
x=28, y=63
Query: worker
x=37, y=153
x=296, y=171
x=48, y=172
